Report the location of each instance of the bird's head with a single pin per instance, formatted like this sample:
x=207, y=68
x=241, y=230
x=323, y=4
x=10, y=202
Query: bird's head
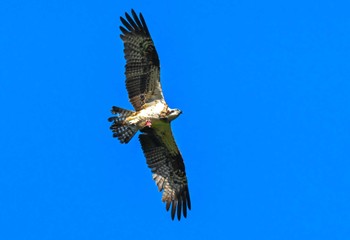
x=173, y=113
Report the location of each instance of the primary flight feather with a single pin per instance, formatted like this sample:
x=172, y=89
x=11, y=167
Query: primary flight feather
x=152, y=116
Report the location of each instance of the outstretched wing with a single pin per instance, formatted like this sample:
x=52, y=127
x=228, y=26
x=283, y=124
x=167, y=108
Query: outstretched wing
x=166, y=163
x=142, y=64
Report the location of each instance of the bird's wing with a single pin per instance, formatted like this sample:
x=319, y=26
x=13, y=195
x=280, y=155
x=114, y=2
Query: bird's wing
x=165, y=160
x=142, y=64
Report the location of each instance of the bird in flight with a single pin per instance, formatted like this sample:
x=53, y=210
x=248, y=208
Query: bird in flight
x=152, y=115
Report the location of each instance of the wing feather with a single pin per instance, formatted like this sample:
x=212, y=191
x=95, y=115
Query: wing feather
x=142, y=69
x=132, y=22
x=137, y=20
x=166, y=163
x=126, y=24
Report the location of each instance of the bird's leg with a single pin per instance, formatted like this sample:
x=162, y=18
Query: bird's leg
x=148, y=123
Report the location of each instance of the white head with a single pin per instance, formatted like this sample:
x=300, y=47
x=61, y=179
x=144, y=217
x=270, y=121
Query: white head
x=173, y=113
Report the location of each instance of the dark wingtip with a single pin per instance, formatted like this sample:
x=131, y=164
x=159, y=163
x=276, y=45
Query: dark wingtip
x=188, y=200
x=111, y=119
x=173, y=210
x=124, y=31
x=136, y=23
x=184, y=207
x=167, y=206
x=179, y=205
x=133, y=12
x=144, y=24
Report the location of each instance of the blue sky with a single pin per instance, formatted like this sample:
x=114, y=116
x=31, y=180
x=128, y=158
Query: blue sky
x=264, y=88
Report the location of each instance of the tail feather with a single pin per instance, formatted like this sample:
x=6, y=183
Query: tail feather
x=121, y=130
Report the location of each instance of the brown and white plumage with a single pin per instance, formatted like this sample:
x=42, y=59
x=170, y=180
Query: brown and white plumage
x=142, y=63
x=152, y=116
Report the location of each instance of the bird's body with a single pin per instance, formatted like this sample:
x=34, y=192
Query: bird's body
x=151, y=112
x=152, y=116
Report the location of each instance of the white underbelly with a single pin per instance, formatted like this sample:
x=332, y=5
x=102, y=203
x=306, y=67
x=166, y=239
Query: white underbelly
x=151, y=112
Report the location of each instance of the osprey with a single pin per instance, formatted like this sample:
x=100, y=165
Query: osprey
x=152, y=116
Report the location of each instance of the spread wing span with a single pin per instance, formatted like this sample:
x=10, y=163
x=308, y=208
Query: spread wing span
x=166, y=163
x=142, y=67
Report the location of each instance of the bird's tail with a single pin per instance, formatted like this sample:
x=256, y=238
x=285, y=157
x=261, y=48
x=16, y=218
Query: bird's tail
x=122, y=130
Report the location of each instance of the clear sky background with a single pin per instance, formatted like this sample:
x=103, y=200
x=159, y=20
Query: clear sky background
x=265, y=132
